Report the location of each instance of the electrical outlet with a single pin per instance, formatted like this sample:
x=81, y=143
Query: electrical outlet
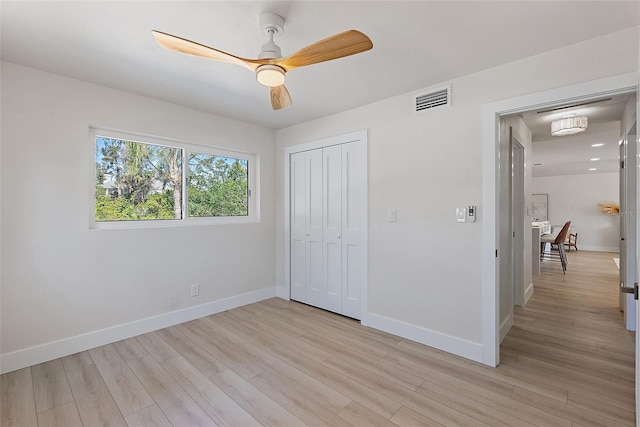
x=195, y=290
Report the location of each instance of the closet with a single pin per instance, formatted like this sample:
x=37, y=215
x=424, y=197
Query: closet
x=328, y=226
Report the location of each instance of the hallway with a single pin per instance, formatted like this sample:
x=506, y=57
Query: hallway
x=570, y=341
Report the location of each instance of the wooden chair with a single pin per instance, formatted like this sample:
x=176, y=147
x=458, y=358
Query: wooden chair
x=572, y=241
x=558, y=241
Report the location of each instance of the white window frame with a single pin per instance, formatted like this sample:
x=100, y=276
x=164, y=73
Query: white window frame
x=187, y=147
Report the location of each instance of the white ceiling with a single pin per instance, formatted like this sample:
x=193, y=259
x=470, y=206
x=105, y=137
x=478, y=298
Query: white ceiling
x=571, y=155
x=416, y=44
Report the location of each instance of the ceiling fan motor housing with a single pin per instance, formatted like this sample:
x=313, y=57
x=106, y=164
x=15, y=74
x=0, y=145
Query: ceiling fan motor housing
x=270, y=50
x=271, y=24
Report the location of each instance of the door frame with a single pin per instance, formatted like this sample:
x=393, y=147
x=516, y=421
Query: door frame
x=628, y=222
x=518, y=214
x=362, y=137
x=491, y=113
x=637, y=142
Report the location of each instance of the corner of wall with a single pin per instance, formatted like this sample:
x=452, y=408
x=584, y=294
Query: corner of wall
x=505, y=326
x=281, y=292
x=448, y=343
x=528, y=293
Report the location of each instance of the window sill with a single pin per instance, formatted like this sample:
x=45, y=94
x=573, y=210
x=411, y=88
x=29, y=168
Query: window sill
x=168, y=223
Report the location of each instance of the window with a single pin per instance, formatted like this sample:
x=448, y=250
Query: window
x=217, y=186
x=136, y=181
x=141, y=181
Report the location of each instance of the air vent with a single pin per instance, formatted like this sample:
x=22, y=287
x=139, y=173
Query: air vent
x=433, y=99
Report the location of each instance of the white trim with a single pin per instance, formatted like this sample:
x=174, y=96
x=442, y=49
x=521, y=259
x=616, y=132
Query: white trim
x=360, y=135
x=490, y=116
x=42, y=353
x=161, y=140
x=321, y=143
x=490, y=296
x=448, y=343
x=615, y=249
x=637, y=303
x=528, y=293
x=629, y=312
x=505, y=326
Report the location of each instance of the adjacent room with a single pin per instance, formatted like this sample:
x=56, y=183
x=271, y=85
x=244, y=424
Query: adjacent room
x=293, y=212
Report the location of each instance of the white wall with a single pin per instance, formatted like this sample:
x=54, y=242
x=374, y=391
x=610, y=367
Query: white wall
x=425, y=270
x=575, y=198
x=59, y=278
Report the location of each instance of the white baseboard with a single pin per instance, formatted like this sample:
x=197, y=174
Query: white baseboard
x=505, y=326
x=448, y=343
x=528, y=293
x=42, y=353
x=597, y=248
x=630, y=312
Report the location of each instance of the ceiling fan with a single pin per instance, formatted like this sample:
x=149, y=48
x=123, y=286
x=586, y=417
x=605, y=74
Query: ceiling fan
x=271, y=67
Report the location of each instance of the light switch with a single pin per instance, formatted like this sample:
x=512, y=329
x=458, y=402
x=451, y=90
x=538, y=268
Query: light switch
x=461, y=214
x=391, y=215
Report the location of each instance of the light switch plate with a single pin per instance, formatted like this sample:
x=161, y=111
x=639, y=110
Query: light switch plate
x=391, y=215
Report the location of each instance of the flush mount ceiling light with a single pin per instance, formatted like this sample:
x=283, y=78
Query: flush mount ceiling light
x=270, y=75
x=569, y=125
x=597, y=145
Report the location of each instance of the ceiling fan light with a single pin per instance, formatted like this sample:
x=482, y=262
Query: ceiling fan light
x=270, y=75
x=569, y=125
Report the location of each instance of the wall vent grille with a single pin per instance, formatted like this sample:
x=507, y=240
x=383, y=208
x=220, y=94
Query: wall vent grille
x=433, y=99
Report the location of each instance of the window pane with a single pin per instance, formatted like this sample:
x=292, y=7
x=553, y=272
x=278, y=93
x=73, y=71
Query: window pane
x=217, y=186
x=137, y=181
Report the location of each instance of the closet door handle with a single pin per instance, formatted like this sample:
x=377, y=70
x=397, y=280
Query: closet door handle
x=338, y=237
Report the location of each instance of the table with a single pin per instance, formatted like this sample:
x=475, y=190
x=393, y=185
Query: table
x=537, y=230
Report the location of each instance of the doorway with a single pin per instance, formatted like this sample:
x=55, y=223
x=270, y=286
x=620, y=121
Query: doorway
x=515, y=141
x=494, y=250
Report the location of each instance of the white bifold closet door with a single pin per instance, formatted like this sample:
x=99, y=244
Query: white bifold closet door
x=326, y=229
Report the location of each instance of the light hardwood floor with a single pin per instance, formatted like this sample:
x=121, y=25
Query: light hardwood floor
x=567, y=362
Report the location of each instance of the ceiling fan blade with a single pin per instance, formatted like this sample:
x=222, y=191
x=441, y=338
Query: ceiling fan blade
x=189, y=47
x=334, y=47
x=280, y=97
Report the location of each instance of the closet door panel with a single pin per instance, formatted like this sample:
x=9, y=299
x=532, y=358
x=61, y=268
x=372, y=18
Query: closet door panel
x=328, y=221
x=314, y=221
x=353, y=182
x=331, y=233
x=353, y=280
x=298, y=226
